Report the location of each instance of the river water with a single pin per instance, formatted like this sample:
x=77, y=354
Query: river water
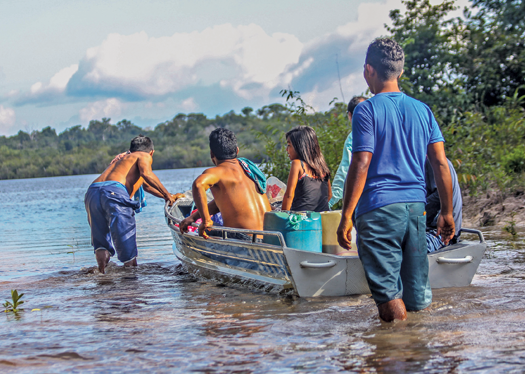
x=156, y=318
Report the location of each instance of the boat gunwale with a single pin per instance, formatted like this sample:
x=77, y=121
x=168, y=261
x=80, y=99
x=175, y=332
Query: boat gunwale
x=277, y=248
x=225, y=230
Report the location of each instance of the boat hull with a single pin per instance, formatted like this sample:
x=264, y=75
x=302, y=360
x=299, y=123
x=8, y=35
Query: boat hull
x=279, y=269
x=233, y=262
x=321, y=274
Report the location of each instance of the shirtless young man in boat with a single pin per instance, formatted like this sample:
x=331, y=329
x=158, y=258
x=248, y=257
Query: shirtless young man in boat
x=111, y=211
x=241, y=200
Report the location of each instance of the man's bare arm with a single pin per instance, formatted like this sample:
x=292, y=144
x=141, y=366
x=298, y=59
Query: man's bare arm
x=199, y=188
x=157, y=193
x=438, y=160
x=152, y=190
x=354, y=185
x=152, y=181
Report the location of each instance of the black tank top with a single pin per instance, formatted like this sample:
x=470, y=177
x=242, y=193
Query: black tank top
x=310, y=194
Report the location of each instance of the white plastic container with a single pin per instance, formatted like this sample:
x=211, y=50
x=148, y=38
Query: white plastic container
x=330, y=222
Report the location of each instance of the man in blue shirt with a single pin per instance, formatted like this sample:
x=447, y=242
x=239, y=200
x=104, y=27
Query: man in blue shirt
x=385, y=186
x=338, y=184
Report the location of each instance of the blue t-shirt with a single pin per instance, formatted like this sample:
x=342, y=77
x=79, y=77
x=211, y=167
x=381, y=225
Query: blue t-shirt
x=397, y=129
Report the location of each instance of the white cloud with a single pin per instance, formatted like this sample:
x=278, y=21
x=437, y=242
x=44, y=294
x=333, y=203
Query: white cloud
x=339, y=54
x=352, y=85
x=56, y=87
x=7, y=119
x=12, y=93
x=59, y=80
x=189, y=105
x=214, y=70
x=104, y=108
x=243, y=60
x=142, y=66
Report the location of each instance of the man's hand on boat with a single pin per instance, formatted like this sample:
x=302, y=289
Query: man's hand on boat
x=446, y=227
x=344, y=234
x=205, y=225
x=183, y=225
x=174, y=198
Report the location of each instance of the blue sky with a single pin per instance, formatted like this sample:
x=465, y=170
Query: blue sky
x=64, y=63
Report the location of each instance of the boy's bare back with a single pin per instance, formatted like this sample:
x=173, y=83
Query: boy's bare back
x=236, y=196
x=127, y=170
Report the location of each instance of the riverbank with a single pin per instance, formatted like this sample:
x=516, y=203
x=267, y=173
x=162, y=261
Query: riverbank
x=494, y=209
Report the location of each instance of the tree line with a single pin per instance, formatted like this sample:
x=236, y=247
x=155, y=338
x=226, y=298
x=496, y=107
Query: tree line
x=179, y=143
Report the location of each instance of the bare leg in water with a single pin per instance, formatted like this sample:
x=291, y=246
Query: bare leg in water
x=102, y=256
x=391, y=310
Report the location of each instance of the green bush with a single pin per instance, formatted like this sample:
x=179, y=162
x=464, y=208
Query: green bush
x=514, y=162
x=486, y=146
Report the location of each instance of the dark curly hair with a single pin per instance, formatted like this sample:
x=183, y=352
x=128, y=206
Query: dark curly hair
x=386, y=57
x=223, y=144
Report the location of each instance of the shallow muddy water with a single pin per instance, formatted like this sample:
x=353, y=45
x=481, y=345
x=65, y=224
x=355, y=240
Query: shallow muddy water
x=156, y=318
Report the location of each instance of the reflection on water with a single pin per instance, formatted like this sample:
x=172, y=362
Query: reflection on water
x=156, y=318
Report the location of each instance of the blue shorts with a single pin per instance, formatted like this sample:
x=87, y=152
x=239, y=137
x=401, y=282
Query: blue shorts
x=393, y=249
x=111, y=217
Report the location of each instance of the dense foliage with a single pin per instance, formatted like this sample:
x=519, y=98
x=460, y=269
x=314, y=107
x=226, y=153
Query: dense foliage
x=462, y=63
x=471, y=71
x=487, y=147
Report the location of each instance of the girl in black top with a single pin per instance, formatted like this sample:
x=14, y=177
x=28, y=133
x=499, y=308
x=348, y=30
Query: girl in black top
x=308, y=186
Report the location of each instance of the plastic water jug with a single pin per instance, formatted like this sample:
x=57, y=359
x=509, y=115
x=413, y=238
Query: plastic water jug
x=301, y=230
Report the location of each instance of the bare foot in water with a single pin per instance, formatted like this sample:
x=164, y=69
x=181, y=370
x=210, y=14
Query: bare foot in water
x=391, y=310
x=130, y=263
x=102, y=256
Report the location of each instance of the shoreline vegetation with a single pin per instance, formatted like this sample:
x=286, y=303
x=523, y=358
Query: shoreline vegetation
x=469, y=70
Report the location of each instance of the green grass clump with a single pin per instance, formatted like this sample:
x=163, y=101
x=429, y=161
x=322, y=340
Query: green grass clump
x=14, y=306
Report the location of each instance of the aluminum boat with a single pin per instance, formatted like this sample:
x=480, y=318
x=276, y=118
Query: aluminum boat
x=239, y=257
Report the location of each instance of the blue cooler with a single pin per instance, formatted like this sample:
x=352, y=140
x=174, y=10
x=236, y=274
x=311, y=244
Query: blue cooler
x=301, y=230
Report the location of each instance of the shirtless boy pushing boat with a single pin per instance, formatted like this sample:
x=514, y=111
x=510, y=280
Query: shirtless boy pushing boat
x=111, y=211
x=238, y=187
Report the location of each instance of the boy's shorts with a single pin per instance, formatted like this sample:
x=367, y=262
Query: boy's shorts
x=111, y=217
x=392, y=246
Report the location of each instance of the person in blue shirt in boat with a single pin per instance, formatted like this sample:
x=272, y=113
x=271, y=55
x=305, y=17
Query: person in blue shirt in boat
x=433, y=207
x=111, y=211
x=385, y=186
x=237, y=185
x=338, y=183
x=308, y=187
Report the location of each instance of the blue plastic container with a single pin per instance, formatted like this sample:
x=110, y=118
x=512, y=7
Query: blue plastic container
x=301, y=230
